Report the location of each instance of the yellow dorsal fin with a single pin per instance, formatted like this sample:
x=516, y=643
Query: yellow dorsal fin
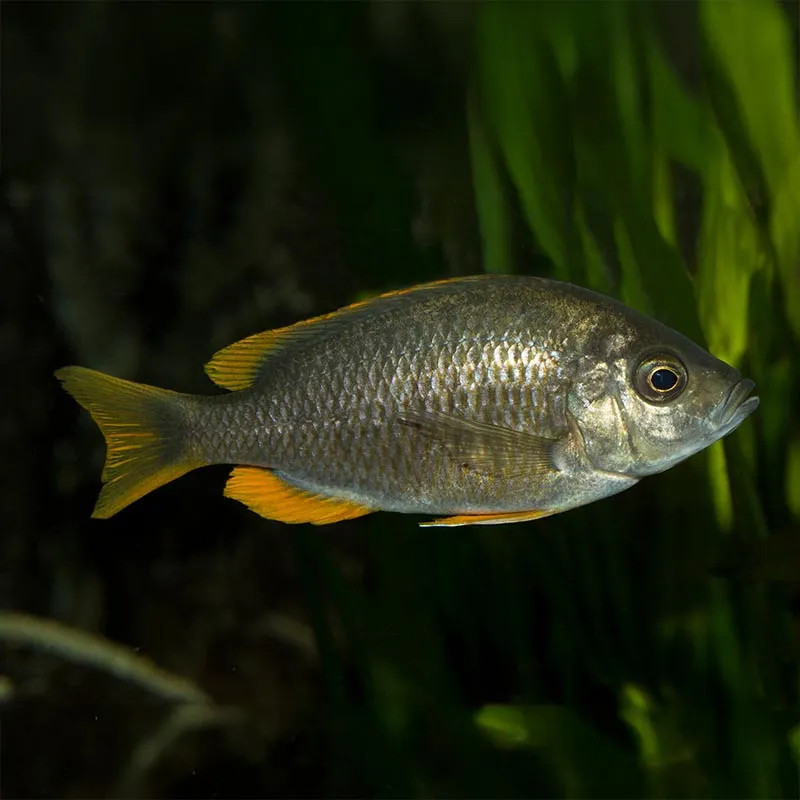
x=238, y=365
x=265, y=493
x=498, y=518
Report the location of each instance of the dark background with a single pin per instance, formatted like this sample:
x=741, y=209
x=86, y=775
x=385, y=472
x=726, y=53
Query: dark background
x=177, y=176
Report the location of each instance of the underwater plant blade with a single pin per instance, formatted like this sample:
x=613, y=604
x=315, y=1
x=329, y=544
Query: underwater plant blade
x=490, y=199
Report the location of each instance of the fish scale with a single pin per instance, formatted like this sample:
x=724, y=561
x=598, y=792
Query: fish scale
x=341, y=433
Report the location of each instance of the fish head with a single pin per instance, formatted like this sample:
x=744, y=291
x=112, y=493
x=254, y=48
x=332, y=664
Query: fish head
x=653, y=399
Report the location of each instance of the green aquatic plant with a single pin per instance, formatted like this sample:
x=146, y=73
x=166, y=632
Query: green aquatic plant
x=601, y=83
x=308, y=155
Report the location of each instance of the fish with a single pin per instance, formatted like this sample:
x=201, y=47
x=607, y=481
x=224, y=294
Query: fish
x=478, y=400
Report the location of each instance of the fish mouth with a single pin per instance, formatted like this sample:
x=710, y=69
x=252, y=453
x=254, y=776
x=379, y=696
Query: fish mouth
x=738, y=405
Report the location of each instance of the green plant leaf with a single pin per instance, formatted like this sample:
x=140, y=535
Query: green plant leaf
x=585, y=762
x=785, y=232
x=521, y=91
x=681, y=125
x=729, y=252
x=490, y=198
x=753, y=45
x=793, y=477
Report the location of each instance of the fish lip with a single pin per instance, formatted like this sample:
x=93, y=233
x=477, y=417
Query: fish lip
x=738, y=404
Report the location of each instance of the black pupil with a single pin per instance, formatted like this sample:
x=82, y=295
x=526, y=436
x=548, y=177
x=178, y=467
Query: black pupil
x=663, y=380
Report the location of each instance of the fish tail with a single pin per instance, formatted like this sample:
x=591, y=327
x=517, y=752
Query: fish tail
x=145, y=432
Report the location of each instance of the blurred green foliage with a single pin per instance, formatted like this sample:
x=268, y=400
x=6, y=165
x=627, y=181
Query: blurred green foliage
x=622, y=124
x=303, y=155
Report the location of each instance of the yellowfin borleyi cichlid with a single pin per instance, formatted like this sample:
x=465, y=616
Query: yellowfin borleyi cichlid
x=484, y=400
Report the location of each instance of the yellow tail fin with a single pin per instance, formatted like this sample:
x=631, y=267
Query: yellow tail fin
x=144, y=430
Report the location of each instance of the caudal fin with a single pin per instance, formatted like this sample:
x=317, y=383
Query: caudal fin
x=144, y=429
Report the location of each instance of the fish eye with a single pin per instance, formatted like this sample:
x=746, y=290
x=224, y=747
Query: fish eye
x=660, y=379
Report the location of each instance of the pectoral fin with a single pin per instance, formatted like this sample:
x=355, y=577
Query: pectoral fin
x=500, y=518
x=272, y=497
x=484, y=447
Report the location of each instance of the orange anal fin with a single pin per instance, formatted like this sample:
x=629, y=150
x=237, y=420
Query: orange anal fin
x=497, y=518
x=272, y=497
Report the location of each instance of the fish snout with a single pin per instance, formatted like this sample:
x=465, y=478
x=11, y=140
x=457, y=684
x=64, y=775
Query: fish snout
x=739, y=403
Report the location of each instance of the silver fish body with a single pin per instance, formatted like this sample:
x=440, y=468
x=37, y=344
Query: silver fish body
x=477, y=396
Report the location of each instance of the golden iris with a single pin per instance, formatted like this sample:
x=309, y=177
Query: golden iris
x=660, y=378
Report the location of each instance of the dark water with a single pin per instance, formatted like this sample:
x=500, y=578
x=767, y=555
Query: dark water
x=176, y=176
